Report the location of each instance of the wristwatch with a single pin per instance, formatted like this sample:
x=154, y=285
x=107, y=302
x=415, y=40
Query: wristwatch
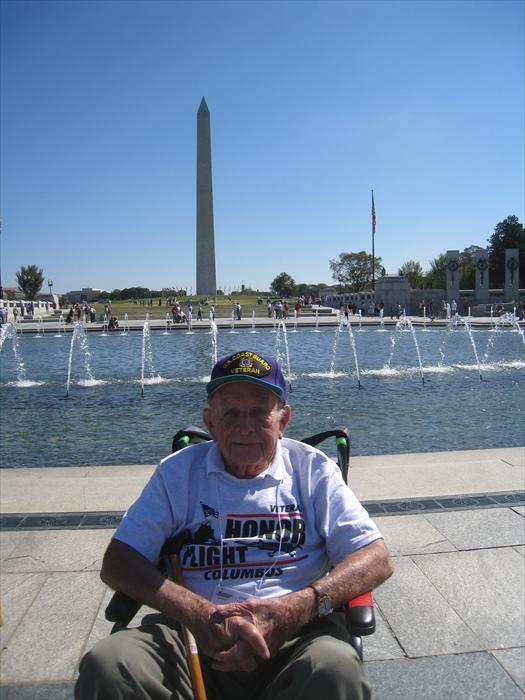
x=324, y=604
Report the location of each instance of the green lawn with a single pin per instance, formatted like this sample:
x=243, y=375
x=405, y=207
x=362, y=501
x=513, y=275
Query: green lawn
x=223, y=307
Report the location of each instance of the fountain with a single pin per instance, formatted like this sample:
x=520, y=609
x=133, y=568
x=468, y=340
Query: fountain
x=214, y=339
x=8, y=332
x=253, y=322
x=284, y=360
x=354, y=351
x=40, y=330
x=456, y=322
x=382, y=321
x=405, y=325
x=510, y=320
x=61, y=326
x=167, y=330
x=148, y=374
x=505, y=321
x=79, y=337
x=125, y=325
x=316, y=329
x=338, y=330
x=5, y=331
x=390, y=413
x=190, y=323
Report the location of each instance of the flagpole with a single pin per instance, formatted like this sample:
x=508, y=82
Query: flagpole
x=373, y=237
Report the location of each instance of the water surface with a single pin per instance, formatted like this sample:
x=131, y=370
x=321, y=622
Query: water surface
x=106, y=420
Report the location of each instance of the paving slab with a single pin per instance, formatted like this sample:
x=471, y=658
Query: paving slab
x=486, y=588
x=56, y=489
x=38, y=691
x=437, y=473
x=8, y=541
x=56, y=550
x=19, y=591
x=381, y=645
x=101, y=627
x=421, y=618
x=477, y=529
x=513, y=661
x=475, y=676
x=47, y=644
x=412, y=534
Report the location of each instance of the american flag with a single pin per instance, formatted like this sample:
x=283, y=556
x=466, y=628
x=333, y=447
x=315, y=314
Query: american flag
x=373, y=215
x=209, y=511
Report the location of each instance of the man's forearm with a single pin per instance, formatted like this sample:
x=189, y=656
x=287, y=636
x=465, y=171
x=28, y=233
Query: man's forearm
x=358, y=573
x=124, y=569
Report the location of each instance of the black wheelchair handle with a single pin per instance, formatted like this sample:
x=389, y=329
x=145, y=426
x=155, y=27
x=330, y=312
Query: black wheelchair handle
x=189, y=436
x=339, y=432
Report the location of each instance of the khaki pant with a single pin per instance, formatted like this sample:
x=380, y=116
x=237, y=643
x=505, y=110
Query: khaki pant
x=148, y=663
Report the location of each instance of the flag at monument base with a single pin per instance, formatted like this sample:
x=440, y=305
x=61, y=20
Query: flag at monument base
x=373, y=215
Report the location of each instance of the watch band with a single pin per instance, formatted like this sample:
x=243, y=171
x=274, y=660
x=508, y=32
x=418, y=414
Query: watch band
x=324, y=604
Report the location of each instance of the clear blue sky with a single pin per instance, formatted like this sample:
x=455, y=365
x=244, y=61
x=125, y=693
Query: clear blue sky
x=312, y=105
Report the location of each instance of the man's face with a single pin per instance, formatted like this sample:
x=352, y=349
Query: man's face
x=246, y=420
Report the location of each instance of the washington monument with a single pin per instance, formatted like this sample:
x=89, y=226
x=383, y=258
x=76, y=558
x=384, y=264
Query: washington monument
x=206, y=280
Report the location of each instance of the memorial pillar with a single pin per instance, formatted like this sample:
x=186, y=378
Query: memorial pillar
x=453, y=276
x=512, y=275
x=481, y=266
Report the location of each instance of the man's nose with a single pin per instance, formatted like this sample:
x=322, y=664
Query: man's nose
x=245, y=422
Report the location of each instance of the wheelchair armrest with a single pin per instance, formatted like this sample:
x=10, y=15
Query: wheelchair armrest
x=121, y=609
x=360, y=616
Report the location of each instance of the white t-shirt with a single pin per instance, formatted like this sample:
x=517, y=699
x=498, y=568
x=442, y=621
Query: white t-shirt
x=265, y=536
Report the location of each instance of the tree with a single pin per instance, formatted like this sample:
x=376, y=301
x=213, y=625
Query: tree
x=436, y=277
x=413, y=271
x=283, y=285
x=135, y=293
x=507, y=234
x=302, y=289
x=467, y=266
x=30, y=280
x=354, y=270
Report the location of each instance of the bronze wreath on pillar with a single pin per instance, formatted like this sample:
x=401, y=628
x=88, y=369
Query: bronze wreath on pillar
x=512, y=265
x=482, y=265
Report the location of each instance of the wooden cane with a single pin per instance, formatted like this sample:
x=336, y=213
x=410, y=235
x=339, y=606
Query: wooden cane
x=192, y=654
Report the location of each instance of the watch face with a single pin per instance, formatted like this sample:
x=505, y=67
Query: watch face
x=325, y=606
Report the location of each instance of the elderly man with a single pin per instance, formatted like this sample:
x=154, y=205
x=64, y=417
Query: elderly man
x=275, y=542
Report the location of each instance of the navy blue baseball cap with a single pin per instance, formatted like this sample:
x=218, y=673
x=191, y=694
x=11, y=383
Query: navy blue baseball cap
x=246, y=365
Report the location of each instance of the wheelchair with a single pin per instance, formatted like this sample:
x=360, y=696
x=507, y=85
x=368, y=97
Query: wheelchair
x=359, y=612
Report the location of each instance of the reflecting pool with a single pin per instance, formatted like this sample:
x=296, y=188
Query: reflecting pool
x=397, y=390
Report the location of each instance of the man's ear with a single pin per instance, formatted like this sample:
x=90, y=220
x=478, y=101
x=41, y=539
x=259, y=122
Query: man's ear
x=208, y=422
x=286, y=414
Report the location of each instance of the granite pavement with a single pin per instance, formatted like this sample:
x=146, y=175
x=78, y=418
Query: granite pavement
x=450, y=622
